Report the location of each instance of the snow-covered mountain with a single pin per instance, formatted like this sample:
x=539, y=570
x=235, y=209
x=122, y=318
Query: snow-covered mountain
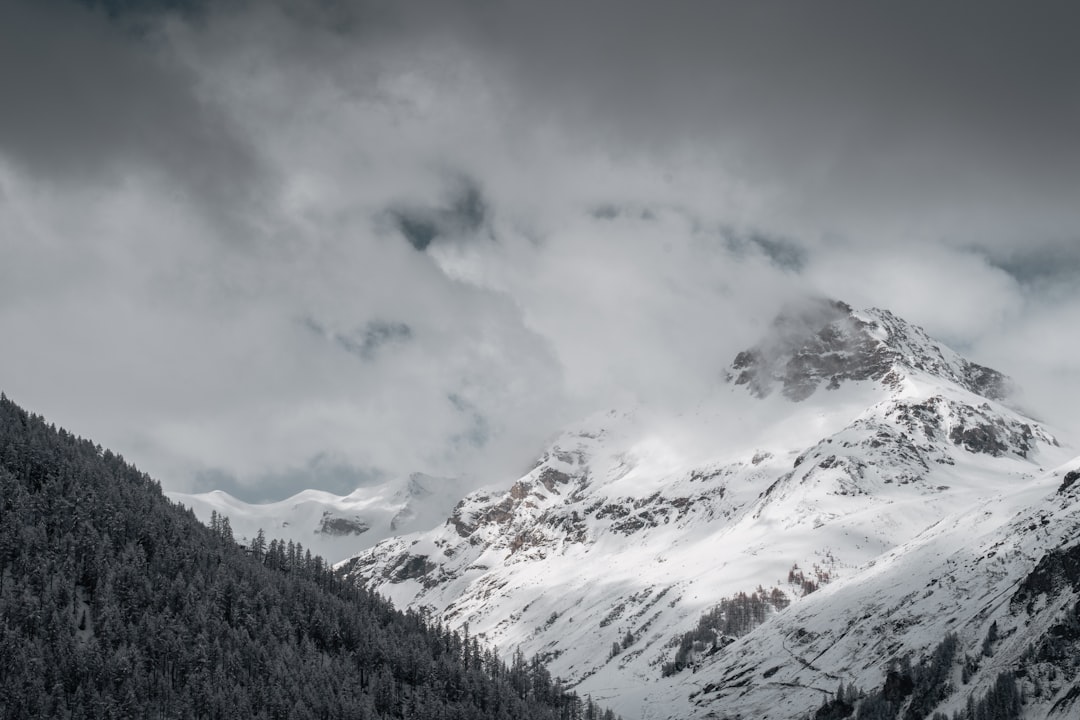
x=851, y=491
x=1002, y=576
x=334, y=526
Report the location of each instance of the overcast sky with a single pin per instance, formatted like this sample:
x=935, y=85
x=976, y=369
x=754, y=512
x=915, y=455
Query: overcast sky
x=271, y=245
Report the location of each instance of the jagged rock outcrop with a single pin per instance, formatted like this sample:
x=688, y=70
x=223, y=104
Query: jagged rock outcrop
x=827, y=343
x=337, y=525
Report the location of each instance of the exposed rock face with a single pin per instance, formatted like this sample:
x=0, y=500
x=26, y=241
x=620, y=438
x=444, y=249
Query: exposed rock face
x=337, y=525
x=827, y=343
x=1058, y=571
x=409, y=567
x=1069, y=481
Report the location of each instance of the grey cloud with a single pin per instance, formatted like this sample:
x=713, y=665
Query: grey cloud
x=366, y=341
x=782, y=252
x=142, y=8
x=820, y=71
x=464, y=213
x=467, y=223
x=854, y=114
x=374, y=336
x=416, y=227
x=320, y=472
x=610, y=211
x=606, y=211
x=479, y=430
x=1039, y=268
x=955, y=122
x=88, y=98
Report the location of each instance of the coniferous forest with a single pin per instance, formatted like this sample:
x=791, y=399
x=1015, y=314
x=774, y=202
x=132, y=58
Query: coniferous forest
x=116, y=603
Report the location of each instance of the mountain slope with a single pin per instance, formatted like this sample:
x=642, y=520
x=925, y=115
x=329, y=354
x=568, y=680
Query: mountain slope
x=839, y=438
x=115, y=603
x=1005, y=582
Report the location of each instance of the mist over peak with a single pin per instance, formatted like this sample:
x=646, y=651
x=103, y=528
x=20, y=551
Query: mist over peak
x=282, y=231
x=825, y=343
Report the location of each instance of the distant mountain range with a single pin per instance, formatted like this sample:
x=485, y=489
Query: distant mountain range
x=334, y=526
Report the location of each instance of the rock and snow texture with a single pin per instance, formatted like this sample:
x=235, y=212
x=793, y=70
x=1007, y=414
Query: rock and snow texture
x=333, y=526
x=1002, y=575
x=826, y=343
x=847, y=447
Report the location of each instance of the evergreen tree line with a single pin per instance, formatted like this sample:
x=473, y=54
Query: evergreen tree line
x=912, y=692
x=731, y=618
x=1003, y=701
x=116, y=603
x=808, y=584
x=927, y=684
x=840, y=705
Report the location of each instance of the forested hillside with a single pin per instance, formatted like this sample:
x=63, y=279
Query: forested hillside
x=115, y=603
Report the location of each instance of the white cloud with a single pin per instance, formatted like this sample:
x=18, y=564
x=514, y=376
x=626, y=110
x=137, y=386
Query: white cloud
x=955, y=294
x=204, y=330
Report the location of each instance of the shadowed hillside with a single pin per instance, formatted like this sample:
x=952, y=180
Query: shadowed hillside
x=115, y=603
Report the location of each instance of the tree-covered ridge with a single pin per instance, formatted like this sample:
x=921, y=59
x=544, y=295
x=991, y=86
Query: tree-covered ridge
x=115, y=603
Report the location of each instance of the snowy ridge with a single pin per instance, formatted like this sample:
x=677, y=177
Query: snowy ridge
x=330, y=525
x=635, y=523
x=972, y=570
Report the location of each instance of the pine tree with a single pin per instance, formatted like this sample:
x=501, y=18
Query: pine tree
x=258, y=545
x=226, y=532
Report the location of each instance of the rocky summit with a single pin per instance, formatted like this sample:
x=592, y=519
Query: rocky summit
x=825, y=343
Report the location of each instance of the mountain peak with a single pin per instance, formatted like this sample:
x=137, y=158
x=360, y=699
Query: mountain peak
x=826, y=342
x=640, y=538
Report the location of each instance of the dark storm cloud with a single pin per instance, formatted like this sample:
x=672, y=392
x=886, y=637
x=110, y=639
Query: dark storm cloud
x=87, y=97
x=854, y=114
x=841, y=72
x=133, y=10
x=854, y=109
